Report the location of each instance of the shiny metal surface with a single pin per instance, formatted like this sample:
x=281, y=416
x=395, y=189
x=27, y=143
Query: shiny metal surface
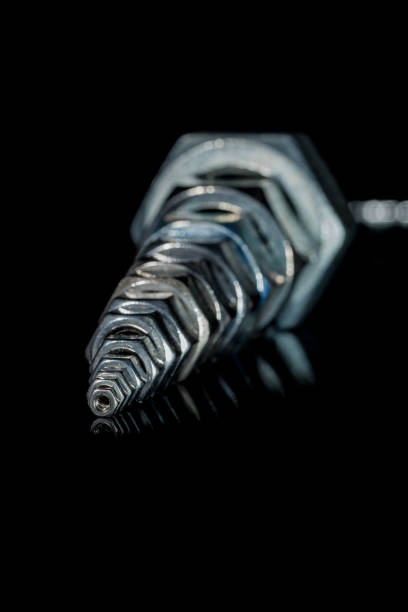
x=271, y=367
x=292, y=183
x=235, y=232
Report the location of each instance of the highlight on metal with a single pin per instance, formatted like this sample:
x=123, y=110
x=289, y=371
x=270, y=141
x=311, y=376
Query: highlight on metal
x=235, y=232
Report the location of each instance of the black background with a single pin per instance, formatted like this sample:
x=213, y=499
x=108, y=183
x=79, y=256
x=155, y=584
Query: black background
x=116, y=132
x=325, y=462
x=358, y=329
x=305, y=492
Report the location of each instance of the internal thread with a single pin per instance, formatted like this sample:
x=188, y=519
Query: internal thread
x=214, y=272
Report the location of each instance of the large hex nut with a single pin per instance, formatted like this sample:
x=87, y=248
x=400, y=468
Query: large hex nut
x=286, y=174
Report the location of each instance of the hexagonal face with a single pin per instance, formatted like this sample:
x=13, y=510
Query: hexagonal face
x=286, y=175
x=211, y=267
x=246, y=235
x=200, y=289
x=183, y=305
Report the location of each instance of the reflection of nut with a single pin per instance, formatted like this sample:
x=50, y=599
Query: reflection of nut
x=235, y=231
x=277, y=363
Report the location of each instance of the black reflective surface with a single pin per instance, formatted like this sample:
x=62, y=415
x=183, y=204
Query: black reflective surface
x=274, y=369
x=355, y=340
x=344, y=367
x=307, y=478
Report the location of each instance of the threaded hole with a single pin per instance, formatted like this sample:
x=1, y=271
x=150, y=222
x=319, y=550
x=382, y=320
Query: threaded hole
x=103, y=403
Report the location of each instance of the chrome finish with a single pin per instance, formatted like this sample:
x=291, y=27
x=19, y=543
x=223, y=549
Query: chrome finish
x=212, y=392
x=235, y=232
